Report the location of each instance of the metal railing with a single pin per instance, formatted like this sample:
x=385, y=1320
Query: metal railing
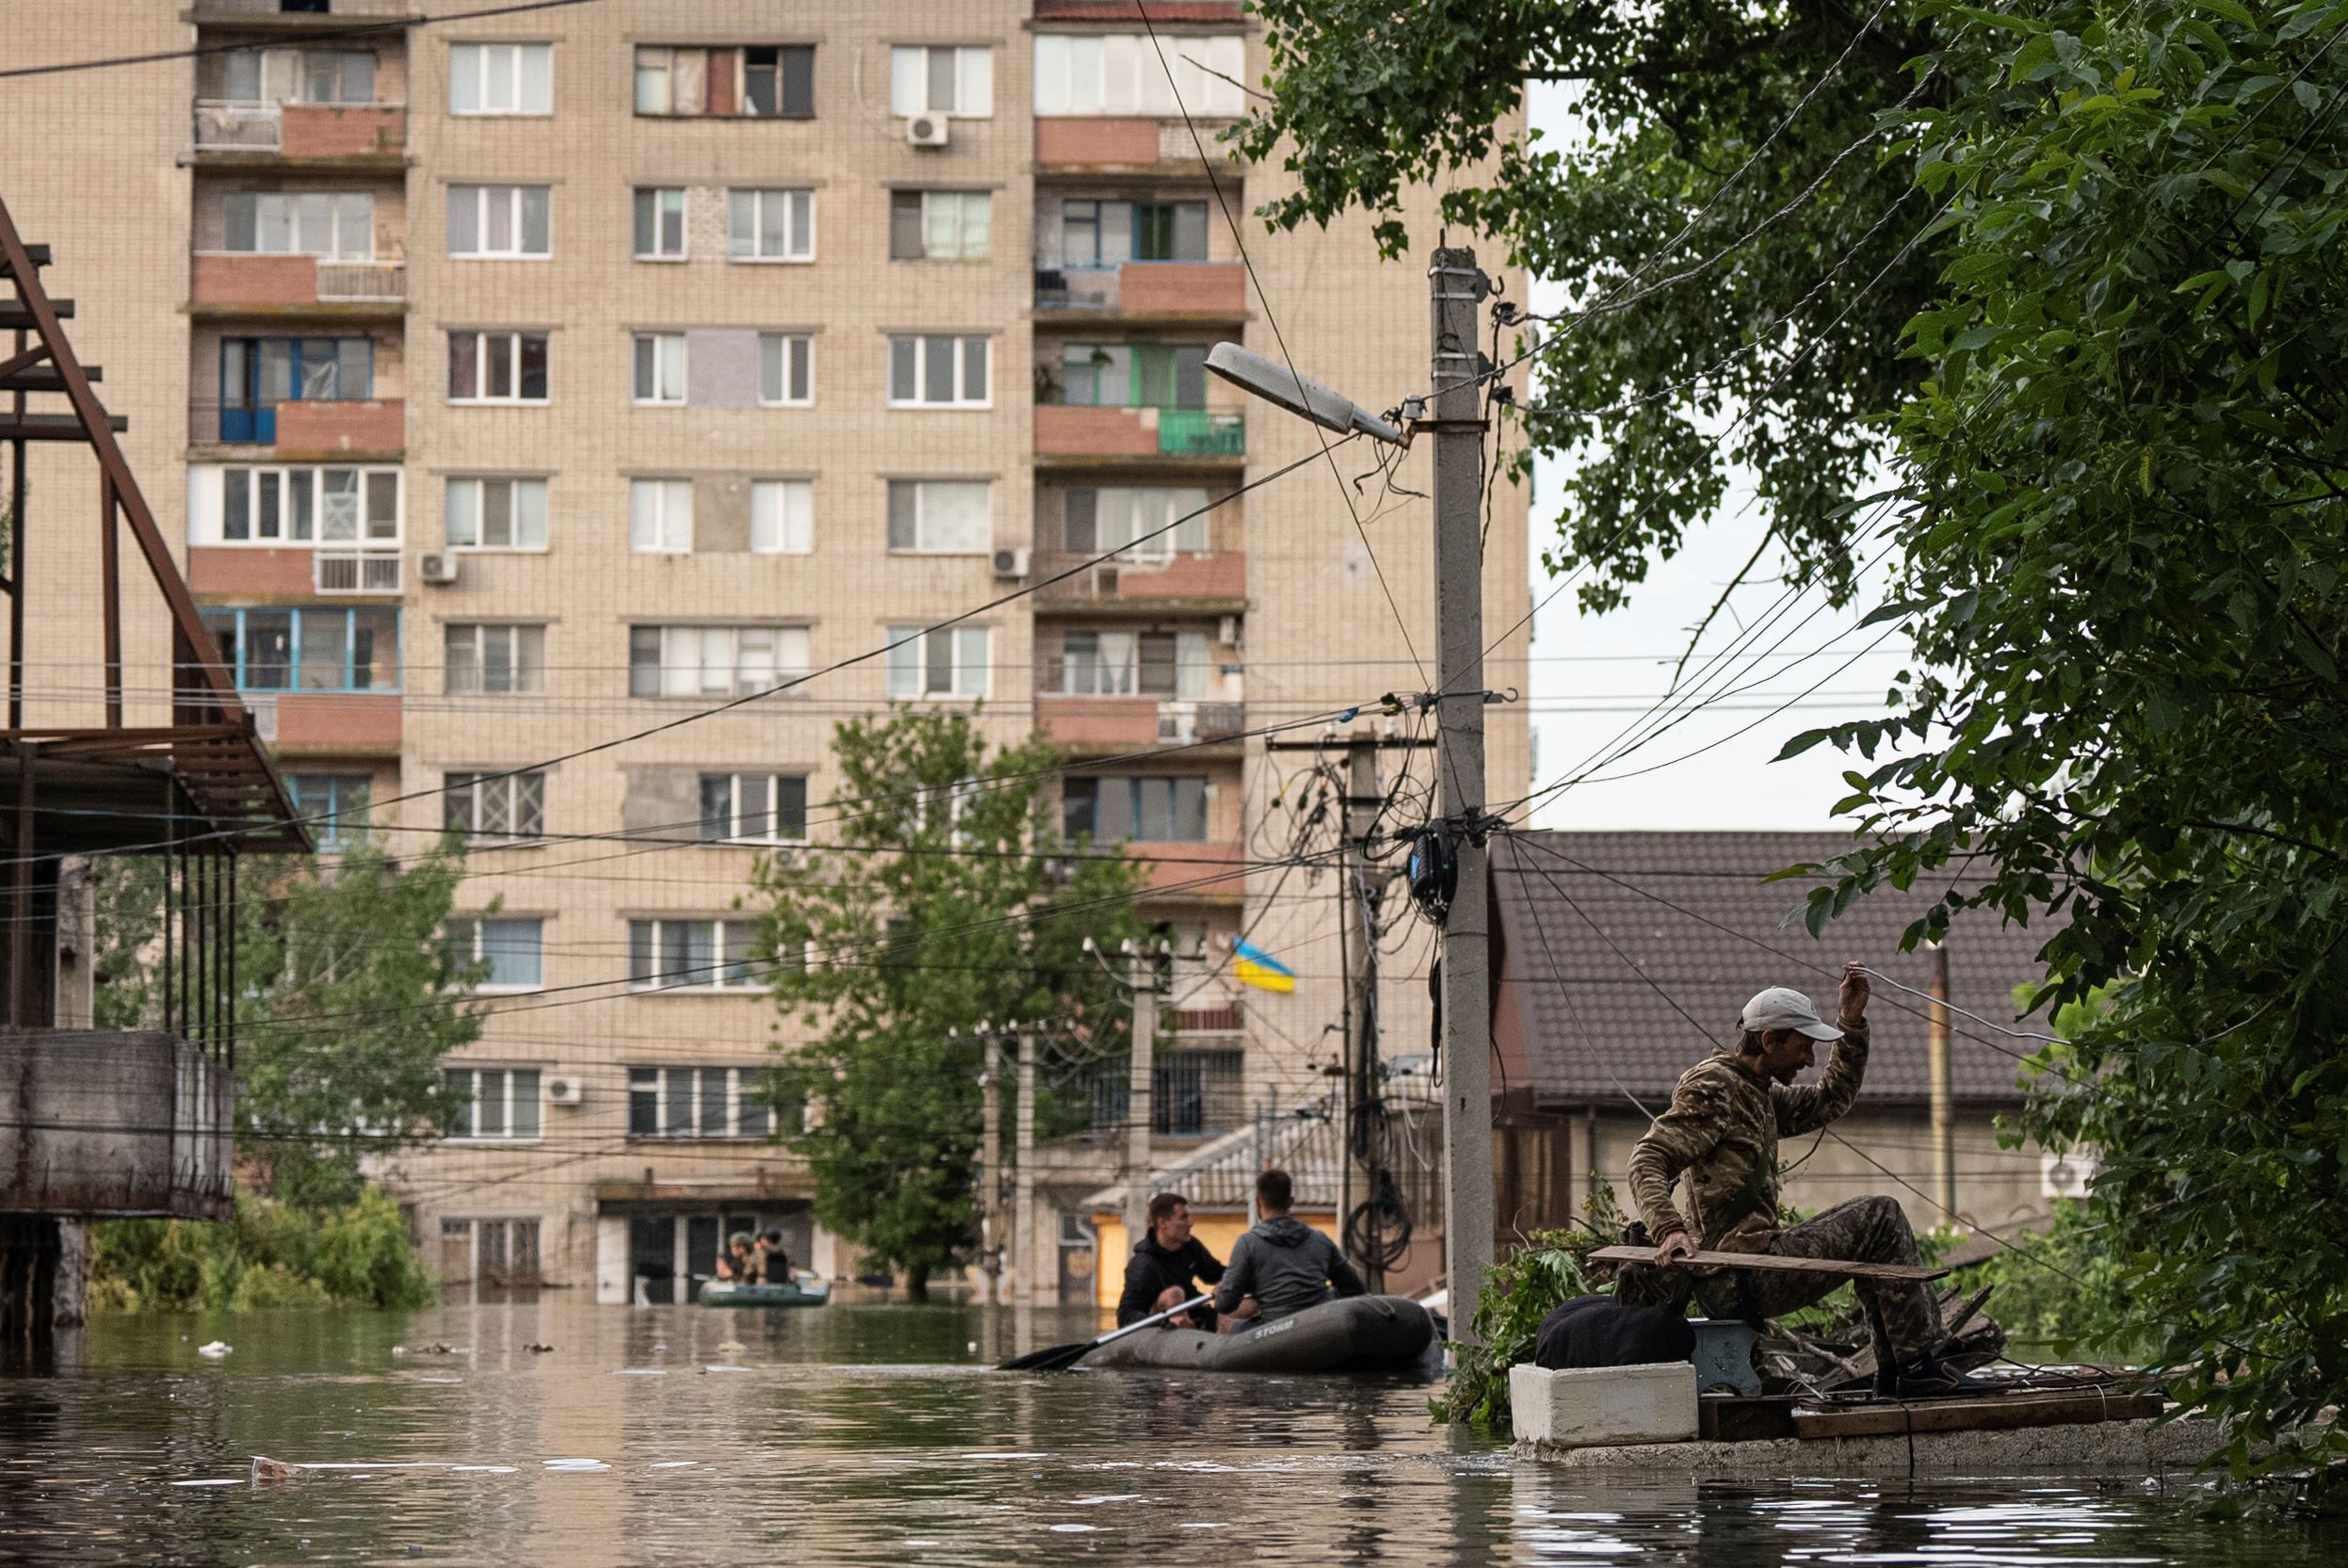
x=347, y=571
x=1201, y=433
x=226, y=126
x=346, y=282
x=1192, y=1094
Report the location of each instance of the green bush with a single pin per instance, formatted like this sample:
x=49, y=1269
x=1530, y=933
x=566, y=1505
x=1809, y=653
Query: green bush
x=271, y=1254
x=1519, y=1291
x=2058, y=1293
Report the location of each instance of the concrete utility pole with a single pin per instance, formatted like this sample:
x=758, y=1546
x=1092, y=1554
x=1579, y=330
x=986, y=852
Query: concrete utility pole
x=1937, y=1036
x=1365, y=1106
x=990, y=1165
x=1466, y=999
x=1141, y=1109
x=1023, y=1267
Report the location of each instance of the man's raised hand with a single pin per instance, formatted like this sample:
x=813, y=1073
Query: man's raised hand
x=1854, y=989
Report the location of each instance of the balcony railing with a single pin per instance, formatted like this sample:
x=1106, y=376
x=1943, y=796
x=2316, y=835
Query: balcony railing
x=1192, y=1094
x=222, y=126
x=347, y=281
x=1201, y=433
x=1187, y=723
x=356, y=571
x=1076, y=287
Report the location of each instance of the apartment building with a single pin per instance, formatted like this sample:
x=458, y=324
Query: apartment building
x=549, y=375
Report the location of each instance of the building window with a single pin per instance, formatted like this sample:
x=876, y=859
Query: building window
x=333, y=225
x=787, y=369
x=496, y=367
x=771, y=225
x=950, y=662
x=1109, y=233
x=940, y=225
x=1121, y=73
x=698, y=1102
x=489, y=1251
x=1136, y=521
x=1108, y=810
x=1138, y=376
x=238, y=505
x=660, y=516
x=694, y=955
x=498, y=221
x=754, y=808
x=1127, y=664
x=939, y=372
x=941, y=517
x=660, y=223
x=491, y=1102
x=494, y=658
x=495, y=514
x=334, y=803
x=660, y=368
x=259, y=373
x=289, y=77
x=782, y=517
x=759, y=82
x=713, y=661
x=309, y=650
x=501, y=79
x=512, y=947
x=936, y=79
x=496, y=805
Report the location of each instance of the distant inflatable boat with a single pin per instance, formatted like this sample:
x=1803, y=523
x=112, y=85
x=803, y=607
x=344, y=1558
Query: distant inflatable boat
x=798, y=1293
x=1361, y=1334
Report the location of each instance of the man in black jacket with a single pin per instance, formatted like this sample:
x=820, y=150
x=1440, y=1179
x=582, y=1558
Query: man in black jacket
x=1163, y=1268
x=1282, y=1265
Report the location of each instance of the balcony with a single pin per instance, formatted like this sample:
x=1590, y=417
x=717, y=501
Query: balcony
x=1136, y=723
x=1108, y=434
x=1130, y=145
x=342, y=134
x=225, y=127
x=1173, y=291
x=1214, y=584
x=357, y=427
x=244, y=284
x=350, y=571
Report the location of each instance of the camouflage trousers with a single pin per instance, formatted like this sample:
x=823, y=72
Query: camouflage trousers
x=1865, y=1230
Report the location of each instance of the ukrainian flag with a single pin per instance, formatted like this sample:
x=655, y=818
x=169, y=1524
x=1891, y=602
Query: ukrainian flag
x=1256, y=967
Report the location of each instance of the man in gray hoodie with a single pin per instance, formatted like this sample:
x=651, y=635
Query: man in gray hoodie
x=1281, y=1266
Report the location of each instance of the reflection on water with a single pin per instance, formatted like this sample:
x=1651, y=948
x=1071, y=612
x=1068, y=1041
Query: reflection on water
x=853, y=1435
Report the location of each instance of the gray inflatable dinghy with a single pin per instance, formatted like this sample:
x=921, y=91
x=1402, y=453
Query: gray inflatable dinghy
x=1361, y=1334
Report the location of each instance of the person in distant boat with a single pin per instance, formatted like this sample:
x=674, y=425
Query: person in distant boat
x=1164, y=1268
x=773, y=1264
x=1281, y=1266
x=735, y=1264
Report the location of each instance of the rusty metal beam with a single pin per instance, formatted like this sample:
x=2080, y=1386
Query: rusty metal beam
x=110, y=589
x=42, y=378
x=13, y=314
x=54, y=427
x=37, y=354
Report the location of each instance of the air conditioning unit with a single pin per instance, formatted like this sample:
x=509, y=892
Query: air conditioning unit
x=926, y=130
x=440, y=566
x=564, y=1090
x=1012, y=561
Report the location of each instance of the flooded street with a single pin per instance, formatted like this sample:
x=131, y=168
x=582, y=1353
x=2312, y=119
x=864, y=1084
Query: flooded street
x=870, y=1435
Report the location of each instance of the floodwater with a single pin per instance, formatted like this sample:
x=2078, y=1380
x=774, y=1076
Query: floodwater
x=872, y=1434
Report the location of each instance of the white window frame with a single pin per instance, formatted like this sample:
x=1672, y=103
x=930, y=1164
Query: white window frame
x=656, y=359
x=526, y=657
x=208, y=493
x=527, y=93
x=659, y=253
x=970, y=679
x=508, y=1087
x=783, y=353
x=513, y=792
x=920, y=351
x=482, y=196
x=1120, y=75
x=474, y=951
x=337, y=247
x=725, y=933
x=911, y=70
x=924, y=543
x=714, y=660
x=739, y=1096
x=660, y=517
x=477, y=486
x=784, y=512
x=745, y=219
x=960, y=202
x=737, y=785
x=514, y=337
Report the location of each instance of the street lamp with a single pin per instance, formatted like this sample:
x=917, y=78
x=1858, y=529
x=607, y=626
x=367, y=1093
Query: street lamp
x=1300, y=395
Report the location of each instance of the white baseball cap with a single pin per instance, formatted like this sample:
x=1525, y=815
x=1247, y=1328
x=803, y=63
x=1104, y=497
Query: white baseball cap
x=1783, y=1008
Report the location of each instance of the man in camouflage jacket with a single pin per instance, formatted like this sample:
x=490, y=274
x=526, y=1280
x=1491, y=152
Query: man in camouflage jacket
x=1721, y=1130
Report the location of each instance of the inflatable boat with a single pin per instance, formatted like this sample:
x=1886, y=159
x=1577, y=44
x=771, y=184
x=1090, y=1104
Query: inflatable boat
x=1361, y=1334
x=803, y=1292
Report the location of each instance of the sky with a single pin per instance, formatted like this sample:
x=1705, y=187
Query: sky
x=1596, y=679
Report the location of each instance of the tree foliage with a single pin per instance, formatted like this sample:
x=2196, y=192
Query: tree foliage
x=272, y=1254
x=929, y=911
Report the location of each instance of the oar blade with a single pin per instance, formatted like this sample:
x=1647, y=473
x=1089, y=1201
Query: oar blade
x=1056, y=1358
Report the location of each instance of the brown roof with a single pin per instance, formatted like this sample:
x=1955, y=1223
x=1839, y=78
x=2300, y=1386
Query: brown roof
x=1599, y=934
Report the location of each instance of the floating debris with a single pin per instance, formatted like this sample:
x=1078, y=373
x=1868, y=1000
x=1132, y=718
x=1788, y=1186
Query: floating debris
x=724, y=1367
x=577, y=1466
x=641, y=1372
x=218, y=1348
x=212, y=1480
x=1006, y=1456
x=731, y=1347
x=538, y=1349
x=676, y=1464
x=1107, y=1498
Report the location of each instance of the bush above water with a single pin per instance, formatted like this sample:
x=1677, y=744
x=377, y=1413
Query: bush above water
x=271, y=1254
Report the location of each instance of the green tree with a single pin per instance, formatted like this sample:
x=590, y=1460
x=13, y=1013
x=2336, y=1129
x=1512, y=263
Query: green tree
x=929, y=911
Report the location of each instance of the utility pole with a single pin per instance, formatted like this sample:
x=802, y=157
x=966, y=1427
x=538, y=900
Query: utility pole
x=1023, y=1267
x=990, y=1165
x=1458, y=290
x=1365, y=1104
x=1937, y=1036
x=1141, y=1110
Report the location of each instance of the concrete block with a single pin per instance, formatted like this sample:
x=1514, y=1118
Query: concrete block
x=1581, y=1407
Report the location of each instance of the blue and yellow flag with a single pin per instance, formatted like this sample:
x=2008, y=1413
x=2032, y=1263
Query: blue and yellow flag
x=1256, y=967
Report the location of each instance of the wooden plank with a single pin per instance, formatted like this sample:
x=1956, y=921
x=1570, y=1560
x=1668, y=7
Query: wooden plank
x=1983, y=1412
x=1838, y=1268
x=1736, y=1419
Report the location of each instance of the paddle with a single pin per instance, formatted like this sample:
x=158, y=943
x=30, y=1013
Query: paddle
x=1059, y=1358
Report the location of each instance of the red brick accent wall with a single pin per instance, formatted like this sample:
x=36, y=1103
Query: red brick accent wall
x=1086, y=139
x=1216, y=576
x=1082, y=433
x=255, y=281
x=325, y=721
x=338, y=130
x=380, y=426
x=1173, y=287
x=1188, y=863
x=1100, y=720
x=232, y=569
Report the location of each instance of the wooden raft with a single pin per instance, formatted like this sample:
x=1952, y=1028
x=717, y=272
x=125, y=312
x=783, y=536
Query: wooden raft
x=1771, y=1262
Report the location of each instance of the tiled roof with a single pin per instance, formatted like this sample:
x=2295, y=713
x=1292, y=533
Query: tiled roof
x=1222, y=1173
x=1600, y=1022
